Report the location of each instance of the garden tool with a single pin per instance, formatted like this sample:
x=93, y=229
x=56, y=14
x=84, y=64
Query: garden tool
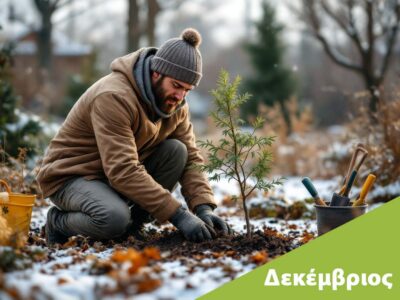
x=354, y=166
x=339, y=200
x=313, y=191
x=364, y=190
x=343, y=199
x=350, y=183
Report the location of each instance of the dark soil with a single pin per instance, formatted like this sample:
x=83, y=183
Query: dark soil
x=237, y=245
x=174, y=246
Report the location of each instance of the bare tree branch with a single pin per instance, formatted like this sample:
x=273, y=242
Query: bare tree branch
x=347, y=27
x=60, y=3
x=314, y=22
x=382, y=25
x=369, y=7
x=352, y=23
x=78, y=13
x=391, y=41
x=297, y=11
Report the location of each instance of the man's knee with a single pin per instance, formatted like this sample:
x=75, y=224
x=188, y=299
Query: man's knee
x=114, y=223
x=178, y=151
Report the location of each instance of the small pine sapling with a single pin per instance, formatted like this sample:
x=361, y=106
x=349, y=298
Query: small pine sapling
x=239, y=154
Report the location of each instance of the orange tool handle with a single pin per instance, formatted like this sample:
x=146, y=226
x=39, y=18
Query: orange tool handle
x=365, y=189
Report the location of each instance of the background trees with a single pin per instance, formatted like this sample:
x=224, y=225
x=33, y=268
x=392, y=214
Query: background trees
x=271, y=82
x=14, y=132
x=370, y=26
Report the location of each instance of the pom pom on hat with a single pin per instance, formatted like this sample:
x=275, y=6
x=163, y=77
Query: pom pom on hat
x=191, y=36
x=180, y=58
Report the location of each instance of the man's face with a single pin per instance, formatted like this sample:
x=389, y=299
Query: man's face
x=169, y=92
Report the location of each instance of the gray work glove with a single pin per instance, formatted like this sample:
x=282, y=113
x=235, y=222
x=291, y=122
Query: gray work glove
x=205, y=212
x=193, y=229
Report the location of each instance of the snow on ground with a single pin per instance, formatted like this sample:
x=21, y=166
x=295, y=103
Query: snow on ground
x=291, y=190
x=66, y=274
x=62, y=278
x=49, y=128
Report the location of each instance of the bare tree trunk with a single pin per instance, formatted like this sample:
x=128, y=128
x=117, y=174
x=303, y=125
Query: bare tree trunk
x=375, y=97
x=133, y=36
x=45, y=53
x=44, y=46
x=286, y=116
x=152, y=12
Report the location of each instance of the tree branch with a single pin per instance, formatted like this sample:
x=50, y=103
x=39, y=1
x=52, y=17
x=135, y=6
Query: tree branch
x=351, y=31
x=391, y=41
x=59, y=3
x=314, y=22
x=369, y=58
x=78, y=13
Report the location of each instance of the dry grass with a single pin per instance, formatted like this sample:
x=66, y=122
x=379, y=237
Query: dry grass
x=381, y=137
x=14, y=170
x=293, y=155
x=326, y=154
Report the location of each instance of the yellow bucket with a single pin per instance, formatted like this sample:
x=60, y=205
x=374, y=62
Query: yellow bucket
x=16, y=209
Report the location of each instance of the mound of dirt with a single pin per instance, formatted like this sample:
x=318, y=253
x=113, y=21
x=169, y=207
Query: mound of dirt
x=174, y=246
x=235, y=245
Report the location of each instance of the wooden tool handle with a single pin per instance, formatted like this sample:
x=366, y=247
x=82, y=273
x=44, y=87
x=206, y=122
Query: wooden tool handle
x=353, y=166
x=365, y=189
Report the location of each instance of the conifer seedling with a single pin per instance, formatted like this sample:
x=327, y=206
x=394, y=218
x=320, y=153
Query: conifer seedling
x=240, y=154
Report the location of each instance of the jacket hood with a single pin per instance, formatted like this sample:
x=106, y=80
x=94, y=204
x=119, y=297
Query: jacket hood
x=124, y=65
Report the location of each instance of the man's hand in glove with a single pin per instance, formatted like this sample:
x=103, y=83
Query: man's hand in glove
x=205, y=212
x=192, y=227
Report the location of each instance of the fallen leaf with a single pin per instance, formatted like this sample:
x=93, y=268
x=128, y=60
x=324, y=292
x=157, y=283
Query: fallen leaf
x=70, y=243
x=61, y=281
x=306, y=237
x=259, y=257
x=231, y=253
x=152, y=253
x=217, y=254
x=148, y=285
x=13, y=293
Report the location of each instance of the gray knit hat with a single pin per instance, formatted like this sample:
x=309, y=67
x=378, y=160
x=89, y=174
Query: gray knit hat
x=180, y=58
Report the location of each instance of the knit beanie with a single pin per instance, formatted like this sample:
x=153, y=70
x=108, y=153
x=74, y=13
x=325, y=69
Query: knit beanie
x=180, y=58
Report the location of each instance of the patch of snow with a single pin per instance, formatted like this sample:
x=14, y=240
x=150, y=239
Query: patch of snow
x=181, y=279
x=293, y=190
x=336, y=130
x=49, y=128
x=237, y=224
x=338, y=150
x=391, y=189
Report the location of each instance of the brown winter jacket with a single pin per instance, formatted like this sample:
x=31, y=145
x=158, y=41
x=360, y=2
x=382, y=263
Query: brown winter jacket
x=109, y=133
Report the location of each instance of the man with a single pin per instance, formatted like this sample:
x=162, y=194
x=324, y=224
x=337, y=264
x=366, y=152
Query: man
x=125, y=145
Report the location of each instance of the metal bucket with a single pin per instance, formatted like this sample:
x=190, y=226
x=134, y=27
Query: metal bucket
x=330, y=217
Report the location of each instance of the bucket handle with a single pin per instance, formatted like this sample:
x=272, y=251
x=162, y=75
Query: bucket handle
x=5, y=184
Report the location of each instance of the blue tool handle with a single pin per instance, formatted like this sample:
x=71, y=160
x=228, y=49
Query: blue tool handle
x=350, y=183
x=310, y=187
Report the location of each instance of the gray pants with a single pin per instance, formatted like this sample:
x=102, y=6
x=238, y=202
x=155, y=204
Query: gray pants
x=92, y=208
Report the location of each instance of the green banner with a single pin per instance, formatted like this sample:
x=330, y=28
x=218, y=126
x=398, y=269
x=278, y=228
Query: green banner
x=359, y=260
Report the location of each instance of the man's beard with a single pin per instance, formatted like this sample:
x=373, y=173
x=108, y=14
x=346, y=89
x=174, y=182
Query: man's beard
x=163, y=101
